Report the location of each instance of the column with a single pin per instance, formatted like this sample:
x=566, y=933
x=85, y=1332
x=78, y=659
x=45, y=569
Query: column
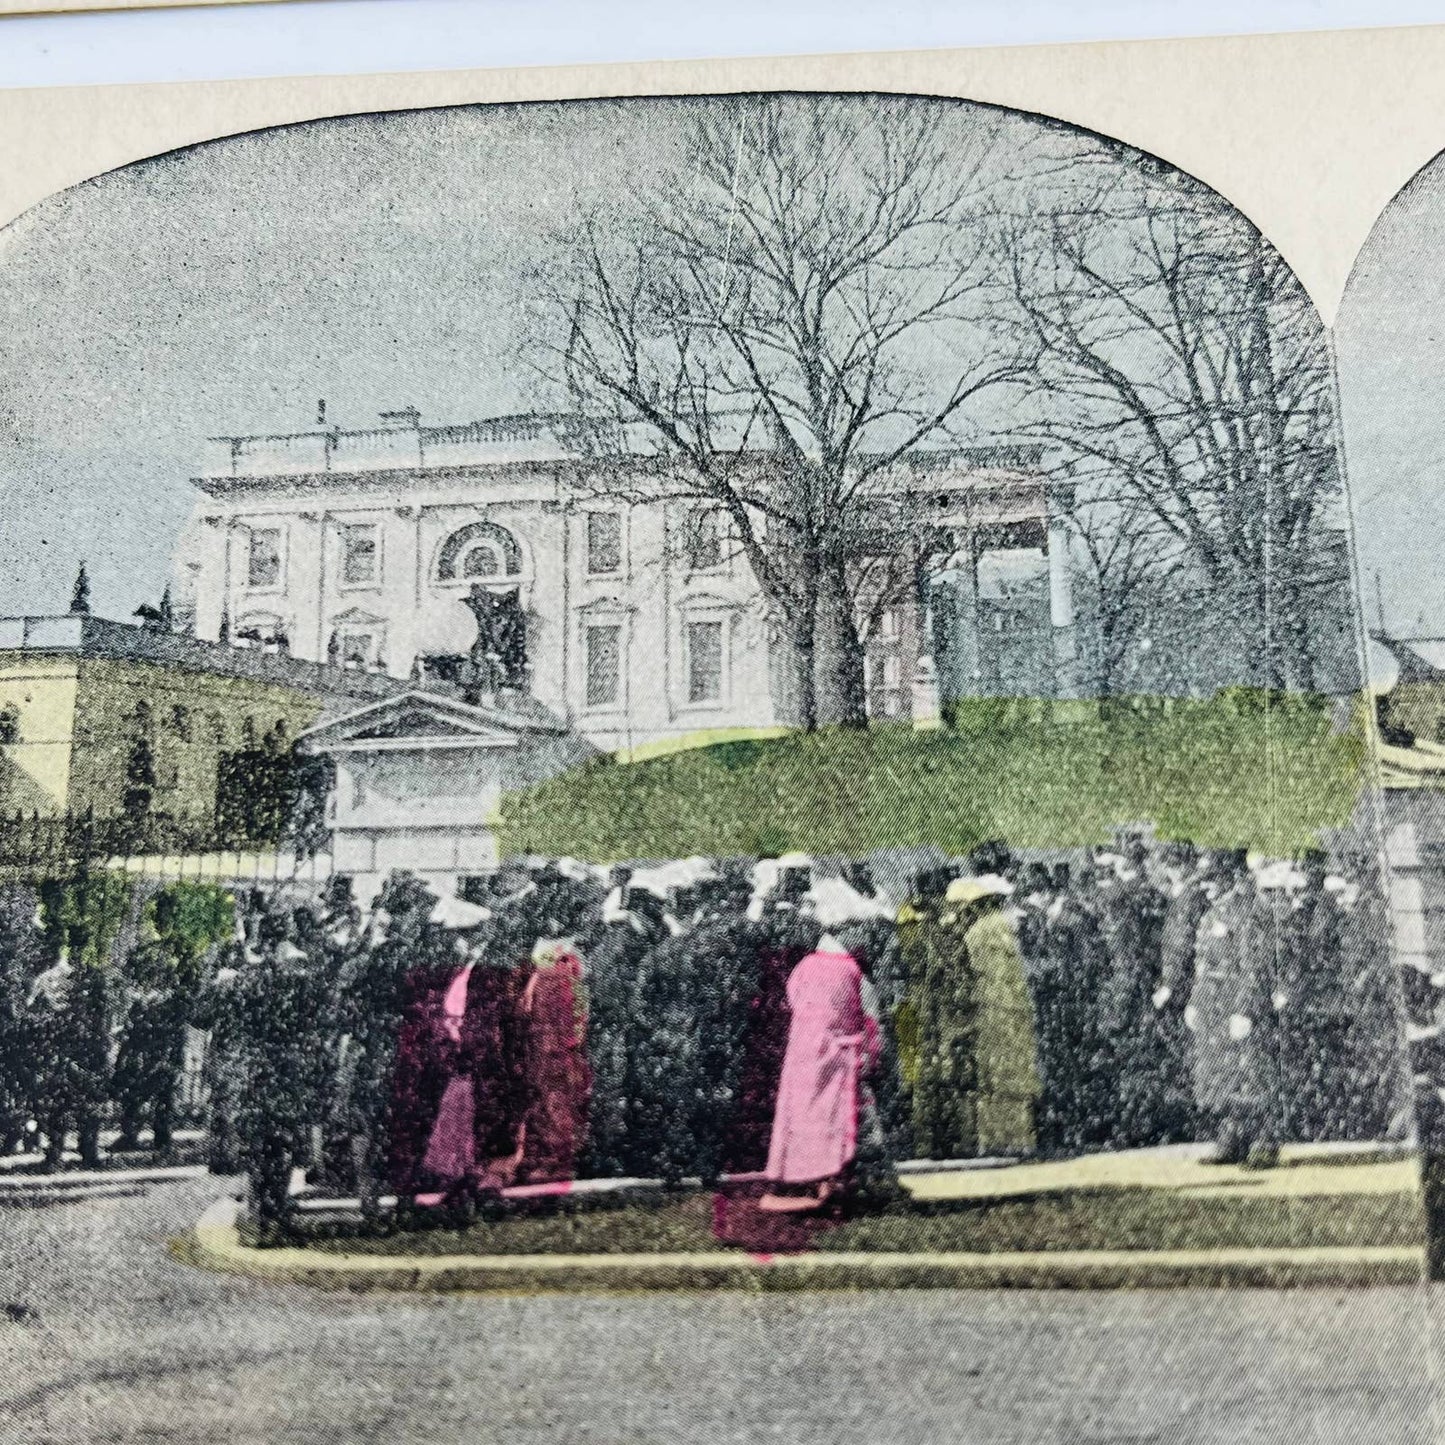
x=961, y=627
x=1061, y=611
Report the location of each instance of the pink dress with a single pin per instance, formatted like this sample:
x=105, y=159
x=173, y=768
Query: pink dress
x=831, y=1044
x=558, y=1078
x=451, y=1150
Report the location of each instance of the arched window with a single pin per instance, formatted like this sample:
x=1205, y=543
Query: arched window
x=479, y=552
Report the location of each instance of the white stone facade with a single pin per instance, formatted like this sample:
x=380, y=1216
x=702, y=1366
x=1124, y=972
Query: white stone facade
x=359, y=546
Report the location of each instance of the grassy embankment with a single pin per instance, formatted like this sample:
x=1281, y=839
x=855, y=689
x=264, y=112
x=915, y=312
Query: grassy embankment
x=1220, y=772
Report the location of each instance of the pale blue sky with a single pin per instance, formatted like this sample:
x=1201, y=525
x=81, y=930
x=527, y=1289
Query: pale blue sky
x=1390, y=338
x=375, y=261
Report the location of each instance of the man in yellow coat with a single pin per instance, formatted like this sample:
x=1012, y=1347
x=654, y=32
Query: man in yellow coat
x=1006, y=1076
x=976, y=1080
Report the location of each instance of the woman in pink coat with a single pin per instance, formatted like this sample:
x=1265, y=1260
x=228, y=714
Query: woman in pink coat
x=832, y=1044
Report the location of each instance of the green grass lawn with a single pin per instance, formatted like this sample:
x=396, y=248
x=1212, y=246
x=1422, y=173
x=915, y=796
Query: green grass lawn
x=1220, y=772
x=1115, y=1219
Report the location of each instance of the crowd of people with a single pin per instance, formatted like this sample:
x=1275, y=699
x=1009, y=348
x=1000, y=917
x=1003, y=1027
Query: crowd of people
x=804, y=1022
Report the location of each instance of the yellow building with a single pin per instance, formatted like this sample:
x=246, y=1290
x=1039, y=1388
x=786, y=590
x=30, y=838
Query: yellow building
x=102, y=718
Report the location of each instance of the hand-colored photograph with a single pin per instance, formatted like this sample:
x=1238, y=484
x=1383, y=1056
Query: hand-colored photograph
x=715, y=766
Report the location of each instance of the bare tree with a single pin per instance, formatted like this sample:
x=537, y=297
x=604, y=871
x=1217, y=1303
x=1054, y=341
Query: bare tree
x=800, y=306
x=1182, y=363
x=1123, y=563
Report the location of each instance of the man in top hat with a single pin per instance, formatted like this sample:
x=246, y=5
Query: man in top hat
x=633, y=922
x=1230, y=1014
x=280, y=1009
x=1075, y=1105
x=1185, y=903
x=1131, y=914
x=1316, y=1003
x=691, y=998
x=368, y=1008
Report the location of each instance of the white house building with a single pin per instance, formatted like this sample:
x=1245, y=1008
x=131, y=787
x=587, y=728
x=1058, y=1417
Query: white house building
x=642, y=623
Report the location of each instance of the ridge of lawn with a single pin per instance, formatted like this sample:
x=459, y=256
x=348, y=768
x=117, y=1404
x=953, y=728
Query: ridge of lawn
x=1223, y=772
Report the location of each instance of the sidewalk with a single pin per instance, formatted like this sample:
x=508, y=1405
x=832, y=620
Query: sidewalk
x=23, y=1185
x=1338, y=1217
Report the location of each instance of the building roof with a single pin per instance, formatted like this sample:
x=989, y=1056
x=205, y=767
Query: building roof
x=401, y=448
x=100, y=637
x=401, y=445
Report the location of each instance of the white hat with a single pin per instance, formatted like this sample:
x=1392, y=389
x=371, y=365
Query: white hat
x=767, y=871
x=682, y=873
x=834, y=901
x=580, y=872
x=970, y=890
x=1279, y=874
x=456, y=913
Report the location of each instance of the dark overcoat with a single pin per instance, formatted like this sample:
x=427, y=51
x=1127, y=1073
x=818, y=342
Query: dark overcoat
x=1233, y=979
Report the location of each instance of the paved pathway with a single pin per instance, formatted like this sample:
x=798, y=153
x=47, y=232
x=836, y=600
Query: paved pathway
x=105, y=1338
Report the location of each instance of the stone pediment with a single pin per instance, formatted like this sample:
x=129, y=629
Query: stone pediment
x=415, y=722
x=422, y=720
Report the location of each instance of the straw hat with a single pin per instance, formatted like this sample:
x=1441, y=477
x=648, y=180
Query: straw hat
x=970, y=890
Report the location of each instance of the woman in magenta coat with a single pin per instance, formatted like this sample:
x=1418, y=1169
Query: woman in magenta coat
x=832, y=1044
x=559, y=1081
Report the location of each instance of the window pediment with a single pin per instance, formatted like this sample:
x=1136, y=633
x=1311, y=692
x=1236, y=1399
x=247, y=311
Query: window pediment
x=707, y=602
x=609, y=606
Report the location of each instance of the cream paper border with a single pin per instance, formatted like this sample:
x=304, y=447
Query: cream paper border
x=57, y=7
x=1309, y=134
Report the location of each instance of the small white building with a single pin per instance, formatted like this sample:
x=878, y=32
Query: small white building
x=419, y=778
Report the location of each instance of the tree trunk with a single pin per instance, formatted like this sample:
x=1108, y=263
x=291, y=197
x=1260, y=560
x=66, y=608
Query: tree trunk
x=800, y=633
x=839, y=695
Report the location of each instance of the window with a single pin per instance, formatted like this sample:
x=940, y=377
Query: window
x=884, y=681
x=704, y=661
x=481, y=560
x=704, y=539
x=263, y=558
x=604, y=542
x=359, y=554
x=356, y=648
x=181, y=722
x=889, y=622
x=604, y=664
